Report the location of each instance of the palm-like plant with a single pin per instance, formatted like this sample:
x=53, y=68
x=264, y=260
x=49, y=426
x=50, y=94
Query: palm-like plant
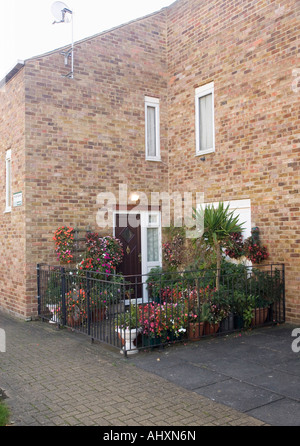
x=218, y=224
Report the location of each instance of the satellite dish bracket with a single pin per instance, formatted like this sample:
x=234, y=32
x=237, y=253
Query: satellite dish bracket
x=63, y=12
x=67, y=54
x=70, y=52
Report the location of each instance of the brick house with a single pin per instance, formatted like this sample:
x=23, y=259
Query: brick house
x=134, y=115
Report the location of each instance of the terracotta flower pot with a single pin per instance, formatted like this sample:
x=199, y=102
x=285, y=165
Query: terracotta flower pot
x=210, y=329
x=98, y=314
x=118, y=331
x=195, y=330
x=259, y=316
x=73, y=321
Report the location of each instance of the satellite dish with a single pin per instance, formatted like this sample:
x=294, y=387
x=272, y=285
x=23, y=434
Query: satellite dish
x=60, y=10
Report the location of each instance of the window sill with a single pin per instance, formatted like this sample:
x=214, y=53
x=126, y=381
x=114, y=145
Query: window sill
x=7, y=211
x=153, y=159
x=204, y=152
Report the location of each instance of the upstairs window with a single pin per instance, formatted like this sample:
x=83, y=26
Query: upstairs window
x=204, y=106
x=8, y=181
x=152, y=134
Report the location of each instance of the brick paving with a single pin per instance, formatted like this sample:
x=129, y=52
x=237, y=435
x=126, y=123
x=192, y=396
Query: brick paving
x=59, y=378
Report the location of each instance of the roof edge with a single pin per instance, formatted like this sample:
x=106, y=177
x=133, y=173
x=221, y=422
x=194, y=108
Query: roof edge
x=85, y=39
x=12, y=72
x=21, y=63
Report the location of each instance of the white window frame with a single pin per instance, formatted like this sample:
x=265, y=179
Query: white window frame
x=153, y=102
x=8, y=182
x=204, y=90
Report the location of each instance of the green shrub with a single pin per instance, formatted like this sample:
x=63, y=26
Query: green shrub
x=159, y=280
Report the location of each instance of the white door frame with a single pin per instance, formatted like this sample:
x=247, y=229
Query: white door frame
x=148, y=219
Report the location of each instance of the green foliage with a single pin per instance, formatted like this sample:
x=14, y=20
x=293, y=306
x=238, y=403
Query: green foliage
x=205, y=315
x=173, y=252
x=240, y=301
x=250, y=248
x=247, y=316
x=235, y=247
x=267, y=284
x=218, y=224
x=53, y=291
x=160, y=279
x=4, y=413
x=108, y=292
x=130, y=319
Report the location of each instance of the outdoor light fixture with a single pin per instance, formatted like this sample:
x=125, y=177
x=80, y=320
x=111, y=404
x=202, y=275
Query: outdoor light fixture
x=134, y=197
x=64, y=15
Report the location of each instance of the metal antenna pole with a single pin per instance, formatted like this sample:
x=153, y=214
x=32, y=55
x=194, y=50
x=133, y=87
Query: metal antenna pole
x=67, y=53
x=72, y=54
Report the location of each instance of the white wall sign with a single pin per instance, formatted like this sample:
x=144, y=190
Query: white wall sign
x=17, y=199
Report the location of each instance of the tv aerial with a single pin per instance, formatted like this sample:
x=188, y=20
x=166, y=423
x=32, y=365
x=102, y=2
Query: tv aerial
x=63, y=14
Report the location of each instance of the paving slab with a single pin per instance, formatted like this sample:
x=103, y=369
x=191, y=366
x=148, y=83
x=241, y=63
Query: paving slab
x=291, y=366
x=238, y=394
x=237, y=368
x=283, y=412
x=190, y=376
x=255, y=372
x=285, y=384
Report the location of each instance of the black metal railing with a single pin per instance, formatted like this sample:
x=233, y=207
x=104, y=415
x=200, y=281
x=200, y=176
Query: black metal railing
x=137, y=312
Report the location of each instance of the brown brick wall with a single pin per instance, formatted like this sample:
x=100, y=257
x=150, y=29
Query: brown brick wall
x=249, y=49
x=12, y=224
x=86, y=135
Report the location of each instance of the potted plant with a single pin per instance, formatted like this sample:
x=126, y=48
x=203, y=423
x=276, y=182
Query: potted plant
x=218, y=224
x=253, y=249
x=128, y=327
x=195, y=321
x=76, y=311
x=195, y=328
x=104, y=253
x=97, y=306
x=226, y=316
x=212, y=315
x=151, y=324
x=210, y=326
x=250, y=309
x=55, y=311
x=163, y=322
x=175, y=320
x=53, y=300
x=260, y=311
x=162, y=283
x=269, y=288
x=64, y=244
